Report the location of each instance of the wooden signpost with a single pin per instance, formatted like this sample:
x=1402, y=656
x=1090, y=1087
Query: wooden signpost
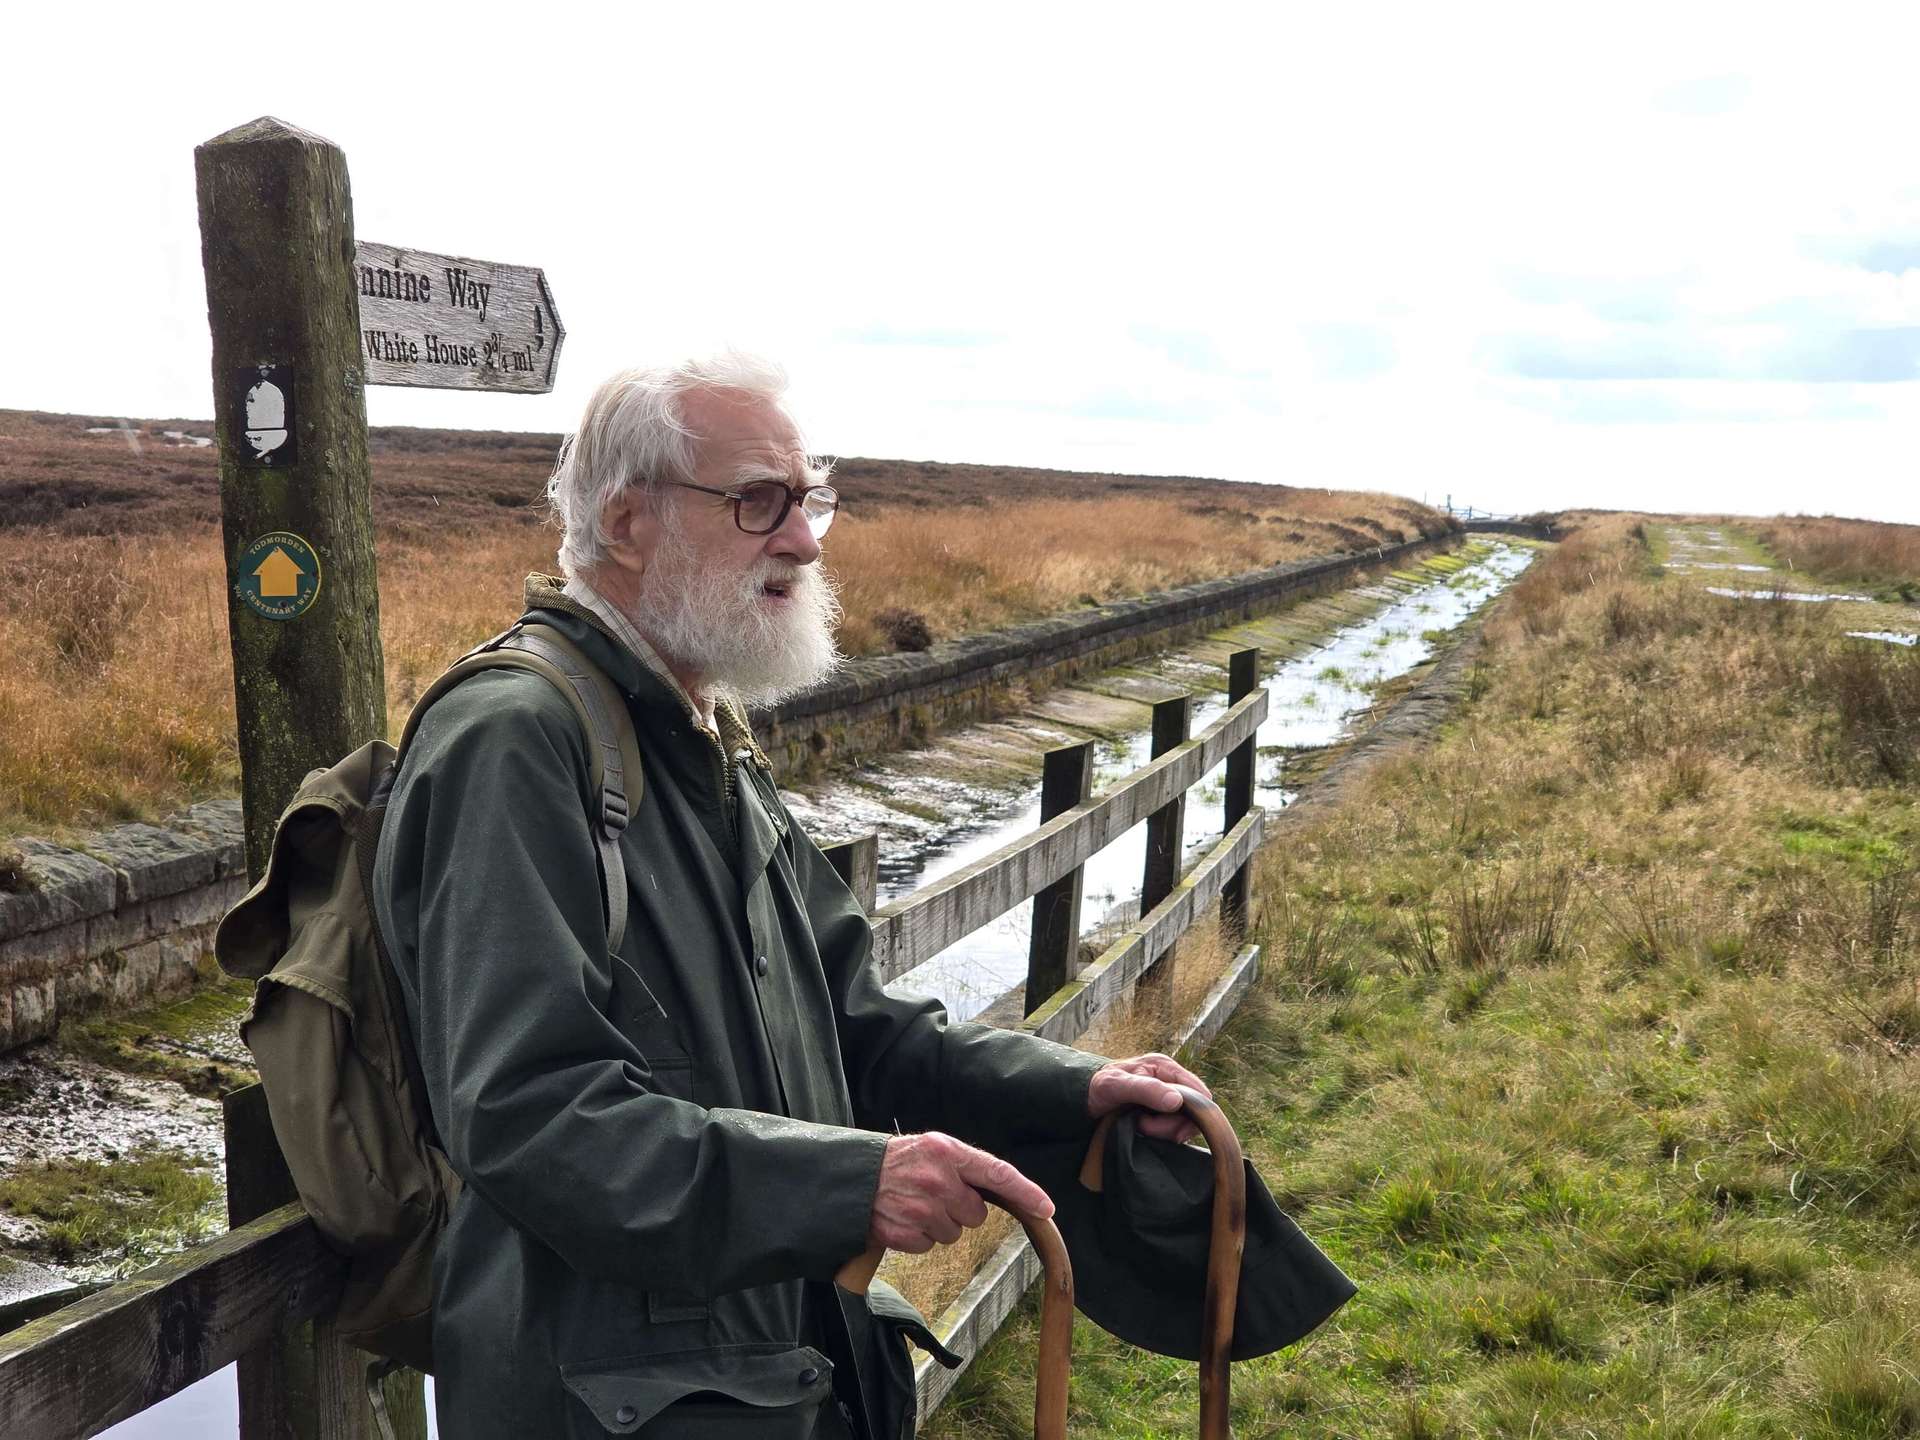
x=303, y=319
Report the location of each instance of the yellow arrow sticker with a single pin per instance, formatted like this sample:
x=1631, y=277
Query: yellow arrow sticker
x=278, y=575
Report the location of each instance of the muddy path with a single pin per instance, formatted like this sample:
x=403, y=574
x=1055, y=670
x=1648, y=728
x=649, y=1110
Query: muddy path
x=1724, y=560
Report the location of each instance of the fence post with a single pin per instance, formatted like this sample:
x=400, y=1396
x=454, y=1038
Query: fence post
x=1166, y=833
x=1066, y=779
x=257, y=1181
x=1243, y=675
x=857, y=862
x=306, y=1383
x=303, y=608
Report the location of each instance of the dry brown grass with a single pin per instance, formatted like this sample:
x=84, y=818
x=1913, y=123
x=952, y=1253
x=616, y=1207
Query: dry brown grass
x=117, y=701
x=1865, y=552
x=970, y=568
x=1597, y=554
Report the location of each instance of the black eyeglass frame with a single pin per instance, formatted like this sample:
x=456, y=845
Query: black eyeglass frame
x=794, y=497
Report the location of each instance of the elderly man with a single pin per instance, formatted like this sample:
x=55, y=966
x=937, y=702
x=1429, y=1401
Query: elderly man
x=668, y=1151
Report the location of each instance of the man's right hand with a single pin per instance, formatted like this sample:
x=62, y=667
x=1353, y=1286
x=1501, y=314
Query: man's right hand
x=929, y=1191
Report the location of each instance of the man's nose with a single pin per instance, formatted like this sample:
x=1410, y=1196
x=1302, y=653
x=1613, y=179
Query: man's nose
x=793, y=539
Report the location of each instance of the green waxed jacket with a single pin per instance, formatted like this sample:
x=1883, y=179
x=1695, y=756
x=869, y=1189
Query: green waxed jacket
x=667, y=1152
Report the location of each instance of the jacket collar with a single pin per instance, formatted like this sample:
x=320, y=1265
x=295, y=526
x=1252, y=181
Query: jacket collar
x=640, y=672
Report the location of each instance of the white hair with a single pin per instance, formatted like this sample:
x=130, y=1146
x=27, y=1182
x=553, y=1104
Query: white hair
x=633, y=434
x=715, y=620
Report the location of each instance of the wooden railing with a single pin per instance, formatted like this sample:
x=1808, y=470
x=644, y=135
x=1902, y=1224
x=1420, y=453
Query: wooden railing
x=261, y=1294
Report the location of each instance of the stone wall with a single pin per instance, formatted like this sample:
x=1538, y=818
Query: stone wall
x=126, y=916
x=117, y=918
x=1543, y=529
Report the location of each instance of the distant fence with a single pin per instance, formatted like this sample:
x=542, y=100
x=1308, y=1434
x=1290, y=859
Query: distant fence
x=124, y=1349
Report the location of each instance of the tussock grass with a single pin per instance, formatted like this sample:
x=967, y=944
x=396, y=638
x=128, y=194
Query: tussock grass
x=1586, y=1047
x=974, y=567
x=1856, y=552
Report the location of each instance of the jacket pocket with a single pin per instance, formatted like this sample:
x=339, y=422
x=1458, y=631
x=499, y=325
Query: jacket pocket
x=704, y=1394
x=672, y=1076
x=895, y=1322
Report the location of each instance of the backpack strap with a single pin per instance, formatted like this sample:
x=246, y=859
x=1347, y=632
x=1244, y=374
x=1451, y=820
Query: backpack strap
x=613, y=749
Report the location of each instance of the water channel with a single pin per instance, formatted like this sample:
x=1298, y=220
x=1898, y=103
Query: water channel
x=1314, y=700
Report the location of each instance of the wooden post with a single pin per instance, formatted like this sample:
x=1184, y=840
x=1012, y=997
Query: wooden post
x=257, y=1181
x=308, y=1385
x=1243, y=675
x=857, y=862
x=1166, y=834
x=1066, y=779
x=303, y=612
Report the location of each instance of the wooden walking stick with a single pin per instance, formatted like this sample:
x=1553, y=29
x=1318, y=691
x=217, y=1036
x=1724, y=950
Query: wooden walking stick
x=1056, y=1315
x=1227, y=1242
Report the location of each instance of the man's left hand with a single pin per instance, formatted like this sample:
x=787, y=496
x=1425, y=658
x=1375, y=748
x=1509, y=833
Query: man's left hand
x=1147, y=1081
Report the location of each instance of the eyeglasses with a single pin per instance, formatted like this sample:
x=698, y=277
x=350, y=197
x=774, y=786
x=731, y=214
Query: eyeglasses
x=760, y=507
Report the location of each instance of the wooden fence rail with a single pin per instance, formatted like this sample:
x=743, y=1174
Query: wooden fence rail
x=919, y=926
x=73, y=1373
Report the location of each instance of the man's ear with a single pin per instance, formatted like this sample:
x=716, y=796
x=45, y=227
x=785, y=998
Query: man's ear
x=632, y=527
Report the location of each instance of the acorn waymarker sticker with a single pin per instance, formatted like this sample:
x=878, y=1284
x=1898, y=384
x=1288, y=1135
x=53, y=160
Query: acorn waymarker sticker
x=278, y=575
x=265, y=396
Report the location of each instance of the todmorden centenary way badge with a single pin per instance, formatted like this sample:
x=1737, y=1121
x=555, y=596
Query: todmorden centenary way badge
x=278, y=575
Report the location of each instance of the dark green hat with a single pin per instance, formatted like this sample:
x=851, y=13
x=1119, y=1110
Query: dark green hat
x=1139, y=1246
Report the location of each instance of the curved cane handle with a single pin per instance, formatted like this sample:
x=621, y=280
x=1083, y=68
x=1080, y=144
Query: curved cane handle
x=1228, y=1243
x=1056, y=1314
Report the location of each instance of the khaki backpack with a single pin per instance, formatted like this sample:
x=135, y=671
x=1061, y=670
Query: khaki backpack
x=328, y=1028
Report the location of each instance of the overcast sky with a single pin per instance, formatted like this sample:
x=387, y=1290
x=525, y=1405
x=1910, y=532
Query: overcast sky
x=1531, y=257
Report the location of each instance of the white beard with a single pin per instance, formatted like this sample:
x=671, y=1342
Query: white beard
x=717, y=625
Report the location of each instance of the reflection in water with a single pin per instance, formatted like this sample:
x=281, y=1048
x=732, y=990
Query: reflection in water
x=1310, y=701
x=1778, y=594
x=206, y=1409
x=1890, y=636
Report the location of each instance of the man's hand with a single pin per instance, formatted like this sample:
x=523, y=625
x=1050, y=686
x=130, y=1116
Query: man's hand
x=1147, y=1081
x=930, y=1188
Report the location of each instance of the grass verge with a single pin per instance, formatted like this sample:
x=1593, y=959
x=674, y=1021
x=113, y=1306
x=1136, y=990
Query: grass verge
x=1589, y=1044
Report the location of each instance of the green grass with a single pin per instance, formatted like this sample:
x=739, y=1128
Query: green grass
x=1588, y=1043
x=1853, y=841
x=129, y=1210
x=171, y=1041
